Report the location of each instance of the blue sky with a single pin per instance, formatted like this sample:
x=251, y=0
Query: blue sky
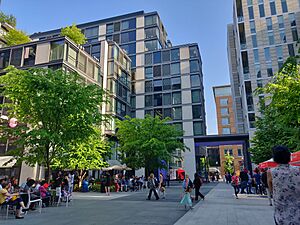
x=201, y=21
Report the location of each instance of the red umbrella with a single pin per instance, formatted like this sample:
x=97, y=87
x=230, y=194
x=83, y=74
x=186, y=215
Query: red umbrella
x=295, y=159
x=268, y=164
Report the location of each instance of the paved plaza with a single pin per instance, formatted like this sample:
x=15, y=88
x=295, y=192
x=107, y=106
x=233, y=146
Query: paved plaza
x=129, y=208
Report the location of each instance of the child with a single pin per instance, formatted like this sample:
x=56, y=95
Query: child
x=186, y=199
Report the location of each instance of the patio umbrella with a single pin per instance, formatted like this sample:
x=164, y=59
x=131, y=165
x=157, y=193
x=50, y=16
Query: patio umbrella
x=295, y=159
x=268, y=164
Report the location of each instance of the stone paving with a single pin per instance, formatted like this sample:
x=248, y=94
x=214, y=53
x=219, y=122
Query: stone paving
x=129, y=208
x=221, y=208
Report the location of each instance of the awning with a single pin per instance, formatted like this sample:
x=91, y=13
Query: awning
x=5, y=159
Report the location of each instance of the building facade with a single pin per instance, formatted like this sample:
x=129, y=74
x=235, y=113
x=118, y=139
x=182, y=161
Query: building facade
x=263, y=35
x=166, y=80
x=54, y=53
x=227, y=125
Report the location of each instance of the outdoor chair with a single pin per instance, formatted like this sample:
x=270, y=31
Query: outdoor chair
x=66, y=198
x=8, y=208
x=34, y=201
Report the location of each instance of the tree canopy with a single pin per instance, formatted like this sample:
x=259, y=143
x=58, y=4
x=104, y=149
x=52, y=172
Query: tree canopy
x=148, y=142
x=54, y=111
x=10, y=19
x=74, y=33
x=16, y=37
x=279, y=123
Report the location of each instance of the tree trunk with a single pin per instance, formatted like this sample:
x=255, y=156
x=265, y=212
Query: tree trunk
x=81, y=177
x=49, y=173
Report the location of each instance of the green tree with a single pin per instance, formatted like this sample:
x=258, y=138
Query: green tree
x=16, y=37
x=84, y=155
x=53, y=109
x=10, y=19
x=279, y=123
x=148, y=142
x=74, y=33
x=229, y=163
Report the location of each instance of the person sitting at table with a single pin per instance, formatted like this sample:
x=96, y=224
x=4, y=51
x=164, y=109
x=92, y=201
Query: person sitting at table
x=33, y=194
x=44, y=193
x=12, y=199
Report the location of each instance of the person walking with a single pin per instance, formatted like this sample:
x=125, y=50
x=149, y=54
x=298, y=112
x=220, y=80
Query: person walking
x=235, y=184
x=264, y=181
x=197, y=184
x=161, y=186
x=257, y=178
x=244, y=180
x=107, y=184
x=284, y=183
x=152, y=186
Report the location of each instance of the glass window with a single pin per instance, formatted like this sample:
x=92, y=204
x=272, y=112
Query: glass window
x=82, y=62
x=167, y=99
x=175, y=68
x=195, y=80
x=57, y=50
x=240, y=153
x=149, y=72
x=133, y=61
x=280, y=22
x=148, y=100
x=109, y=37
x=250, y=2
x=117, y=27
x=178, y=126
x=261, y=10
x=128, y=24
x=16, y=57
x=129, y=48
x=176, y=98
x=196, y=96
x=292, y=19
x=166, y=70
x=251, y=117
x=151, y=45
x=91, y=32
x=193, y=52
x=175, y=54
x=152, y=32
x=176, y=83
x=194, y=66
x=279, y=52
x=128, y=36
x=273, y=8
x=109, y=28
x=267, y=54
x=157, y=71
x=256, y=55
x=225, y=130
x=148, y=59
x=29, y=55
x=177, y=113
x=259, y=83
x=257, y=71
x=149, y=112
x=157, y=85
x=295, y=34
x=269, y=23
x=148, y=86
x=156, y=57
x=284, y=6
x=166, y=56
x=254, y=41
x=168, y=113
x=224, y=101
x=197, y=112
x=282, y=36
x=4, y=59
x=225, y=121
x=167, y=84
x=150, y=20
x=224, y=111
x=251, y=13
x=271, y=38
x=198, y=128
x=116, y=38
x=291, y=50
x=252, y=27
x=269, y=69
x=158, y=100
x=72, y=56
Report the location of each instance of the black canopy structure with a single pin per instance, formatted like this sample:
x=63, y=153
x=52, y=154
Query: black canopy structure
x=228, y=139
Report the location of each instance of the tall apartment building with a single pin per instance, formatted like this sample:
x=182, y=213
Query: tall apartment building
x=263, y=35
x=165, y=80
x=227, y=125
